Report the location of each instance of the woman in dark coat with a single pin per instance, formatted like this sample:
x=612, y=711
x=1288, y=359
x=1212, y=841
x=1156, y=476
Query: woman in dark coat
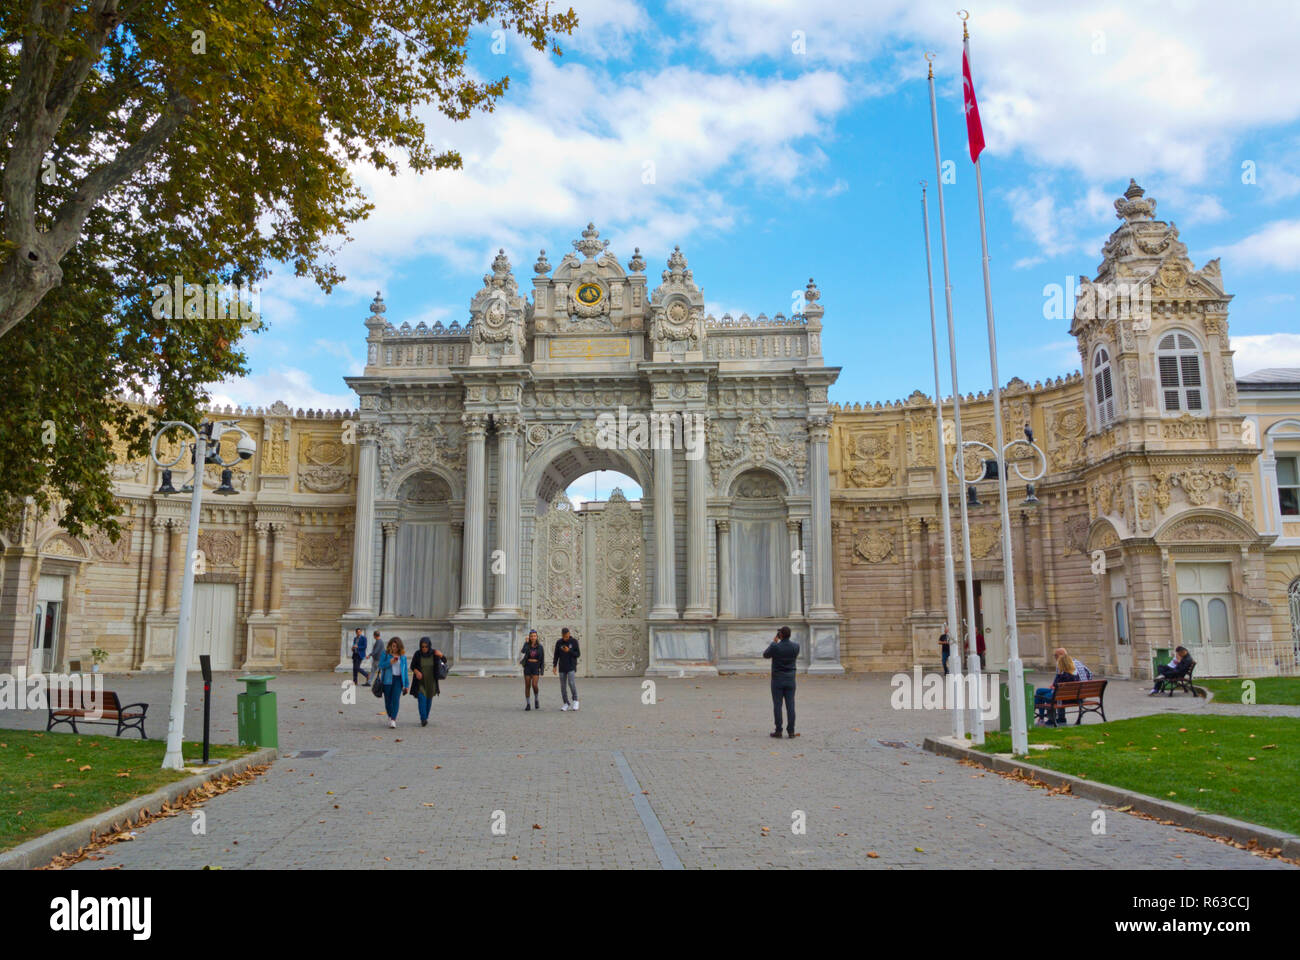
x=424, y=676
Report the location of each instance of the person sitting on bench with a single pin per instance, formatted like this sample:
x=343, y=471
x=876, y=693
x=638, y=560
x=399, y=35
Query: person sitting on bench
x=1044, y=695
x=1175, y=669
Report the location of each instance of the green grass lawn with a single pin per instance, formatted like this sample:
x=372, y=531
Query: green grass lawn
x=1242, y=767
x=49, y=780
x=1279, y=690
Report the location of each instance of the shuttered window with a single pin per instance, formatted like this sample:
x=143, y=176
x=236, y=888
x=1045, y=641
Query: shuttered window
x=1104, y=390
x=1179, y=362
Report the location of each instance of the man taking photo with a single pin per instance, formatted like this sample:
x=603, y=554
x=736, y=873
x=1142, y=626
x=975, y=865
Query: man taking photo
x=784, y=654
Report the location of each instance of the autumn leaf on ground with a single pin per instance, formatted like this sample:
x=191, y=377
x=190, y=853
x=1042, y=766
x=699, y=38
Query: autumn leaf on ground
x=873, y=855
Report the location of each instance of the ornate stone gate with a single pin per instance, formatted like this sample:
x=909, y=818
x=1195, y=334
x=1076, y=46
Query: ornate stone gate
x=587, y=576
x=498, y=416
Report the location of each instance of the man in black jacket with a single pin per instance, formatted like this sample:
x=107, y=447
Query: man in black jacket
x=784, y=654
x=565, y=663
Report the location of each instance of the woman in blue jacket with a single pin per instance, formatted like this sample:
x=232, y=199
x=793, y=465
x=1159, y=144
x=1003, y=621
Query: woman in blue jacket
x=395, y=676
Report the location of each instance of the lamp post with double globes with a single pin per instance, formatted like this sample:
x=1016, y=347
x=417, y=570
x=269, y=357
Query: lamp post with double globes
x=994, y=468
x=205, y=449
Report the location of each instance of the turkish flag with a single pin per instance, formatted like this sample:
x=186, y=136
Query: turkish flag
x=974, y=130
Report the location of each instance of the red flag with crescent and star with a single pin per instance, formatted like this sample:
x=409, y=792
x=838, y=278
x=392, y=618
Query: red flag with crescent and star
x=974, y=130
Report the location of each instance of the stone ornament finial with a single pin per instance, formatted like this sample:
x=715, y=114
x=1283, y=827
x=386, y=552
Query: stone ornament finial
x=637, y=263
x=590, y=244
x=677, y=265
x=1135, y=206
x=542, y=266
x=377, y=305
x=811, y=293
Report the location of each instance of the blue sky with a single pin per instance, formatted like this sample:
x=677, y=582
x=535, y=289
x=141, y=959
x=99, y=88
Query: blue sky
x=771, y=165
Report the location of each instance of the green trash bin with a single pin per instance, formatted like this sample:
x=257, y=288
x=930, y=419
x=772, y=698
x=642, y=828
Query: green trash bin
x=1004, y=695
x=257, y=713
x=1163, y=655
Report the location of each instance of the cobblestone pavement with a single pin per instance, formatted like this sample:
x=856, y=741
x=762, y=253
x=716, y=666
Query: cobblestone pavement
x=706, y=774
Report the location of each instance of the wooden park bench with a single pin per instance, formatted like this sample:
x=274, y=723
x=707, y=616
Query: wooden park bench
x=1087, y=695
x=1183, y=683
x=64, y=710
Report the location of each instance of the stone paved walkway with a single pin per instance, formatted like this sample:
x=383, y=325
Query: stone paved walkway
x=721, y=791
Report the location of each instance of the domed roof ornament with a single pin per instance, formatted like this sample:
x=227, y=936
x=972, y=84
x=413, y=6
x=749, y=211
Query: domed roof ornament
x=637, y=263
x=542, y=266
x=377, y=305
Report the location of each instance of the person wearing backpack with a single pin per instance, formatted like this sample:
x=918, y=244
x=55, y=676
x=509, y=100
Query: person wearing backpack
x=395, y=673
x=533, y=657
x=424, y=673
x=565, y=663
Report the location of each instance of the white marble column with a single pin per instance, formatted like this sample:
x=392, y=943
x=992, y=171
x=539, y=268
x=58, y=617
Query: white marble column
x=156, y=565
x=471, y=579
x=726, y=597
x=257, y=591
x=819, y=434
x=388, y=603
x=665, y=595
x=697, y=534
x=507, y=594
x=796, y=569
x=364, y=528
x=277, y=565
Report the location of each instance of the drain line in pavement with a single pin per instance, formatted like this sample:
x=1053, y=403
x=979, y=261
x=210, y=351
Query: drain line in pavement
x=653, y=828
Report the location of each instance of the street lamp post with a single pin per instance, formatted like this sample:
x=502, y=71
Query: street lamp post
x=200, y=455
x=1016, y=667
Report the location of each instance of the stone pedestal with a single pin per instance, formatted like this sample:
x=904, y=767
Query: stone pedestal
x=681, y=649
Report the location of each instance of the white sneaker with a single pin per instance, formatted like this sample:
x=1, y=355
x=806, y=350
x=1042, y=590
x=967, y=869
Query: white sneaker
x=392, y=724
x=564, y=709
x=575, y=704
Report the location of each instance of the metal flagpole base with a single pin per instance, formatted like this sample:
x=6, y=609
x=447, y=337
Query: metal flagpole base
x=976, y=698
x=1019, y=731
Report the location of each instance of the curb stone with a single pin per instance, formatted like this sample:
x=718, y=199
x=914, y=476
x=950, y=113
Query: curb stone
x=39, y=851
x=1179, y=814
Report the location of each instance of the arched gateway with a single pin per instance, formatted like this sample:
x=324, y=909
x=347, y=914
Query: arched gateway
x=470, y=435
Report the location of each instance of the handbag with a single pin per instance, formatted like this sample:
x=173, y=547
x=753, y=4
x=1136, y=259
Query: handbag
x=377, y=685
x=442, y=669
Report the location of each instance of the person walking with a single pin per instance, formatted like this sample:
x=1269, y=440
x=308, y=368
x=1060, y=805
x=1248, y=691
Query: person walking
x=424, y=676
x=376, y=650
x=395, y=675
x=980, y=648
x=533, y=657
x=945, y=647
x=359, y=655
x=784, y=654
x=565, y=663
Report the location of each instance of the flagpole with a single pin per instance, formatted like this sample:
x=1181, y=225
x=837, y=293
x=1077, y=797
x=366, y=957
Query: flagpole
x=977, y=719
x=1019, y=733
x=958, y=727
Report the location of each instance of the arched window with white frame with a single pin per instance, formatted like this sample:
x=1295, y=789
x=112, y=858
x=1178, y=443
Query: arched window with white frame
x=1103, y=388
x=1178, y=361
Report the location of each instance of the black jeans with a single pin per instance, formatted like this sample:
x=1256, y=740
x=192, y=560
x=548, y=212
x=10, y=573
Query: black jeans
x=783, y=690
x=356, y=668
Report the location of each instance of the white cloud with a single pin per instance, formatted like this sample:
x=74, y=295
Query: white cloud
x=573, y=144
x=1265, y=350
x=289, y=384
x=1114, y=88
x=1276, y=244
